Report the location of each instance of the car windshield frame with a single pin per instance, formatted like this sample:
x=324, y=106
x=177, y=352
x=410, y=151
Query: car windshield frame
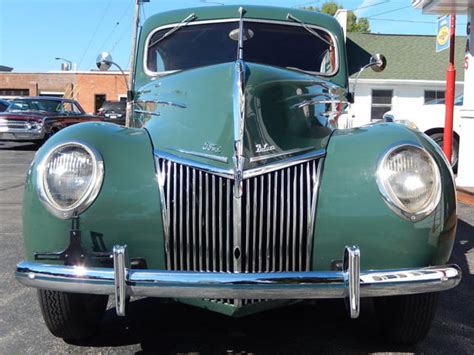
x=333, y=40
x=29, y=101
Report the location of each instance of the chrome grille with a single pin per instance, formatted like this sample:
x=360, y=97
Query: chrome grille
x=197, y=214
x=277, y=223
x=277, y=218
x=13, y=124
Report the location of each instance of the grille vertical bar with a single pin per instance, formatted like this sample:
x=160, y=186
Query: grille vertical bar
x=277, y=224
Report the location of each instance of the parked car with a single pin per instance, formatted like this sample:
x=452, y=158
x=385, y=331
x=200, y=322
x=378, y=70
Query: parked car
x=113, y=111
x=35, y=119
x=3, y=105
x=429, y=119
x=234, y=190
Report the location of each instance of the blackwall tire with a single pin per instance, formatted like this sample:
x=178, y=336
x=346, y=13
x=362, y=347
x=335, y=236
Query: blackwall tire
x=406, y=319
x=72, y=316
x=439, y=139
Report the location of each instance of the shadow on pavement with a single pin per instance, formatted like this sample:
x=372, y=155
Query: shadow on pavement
x=19, y=146
x=317, y=327
x=170, y=328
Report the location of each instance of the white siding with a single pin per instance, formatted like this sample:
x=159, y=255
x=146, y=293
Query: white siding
x=407, y=96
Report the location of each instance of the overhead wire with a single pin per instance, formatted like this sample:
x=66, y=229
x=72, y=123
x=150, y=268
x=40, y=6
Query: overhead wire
x=388, y=12
x=95, y=31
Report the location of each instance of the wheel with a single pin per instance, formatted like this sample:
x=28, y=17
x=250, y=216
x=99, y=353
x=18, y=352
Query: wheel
x=406, y=319
x=49, y=134
x=439, y=139
x=72, y=316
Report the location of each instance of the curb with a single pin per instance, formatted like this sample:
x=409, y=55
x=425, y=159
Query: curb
x=465, y=195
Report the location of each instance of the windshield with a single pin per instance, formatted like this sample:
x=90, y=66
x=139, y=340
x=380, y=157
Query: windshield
x=34, y=105
x=458, y=101
x=283, y=45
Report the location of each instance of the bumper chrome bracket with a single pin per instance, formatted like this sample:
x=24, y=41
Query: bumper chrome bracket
x=120, y=279
x=351, y=269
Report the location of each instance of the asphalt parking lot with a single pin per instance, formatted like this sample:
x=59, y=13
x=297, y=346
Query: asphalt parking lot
x=152, y=326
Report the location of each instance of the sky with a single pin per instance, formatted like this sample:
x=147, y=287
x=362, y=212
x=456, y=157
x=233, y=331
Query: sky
x=34, y=32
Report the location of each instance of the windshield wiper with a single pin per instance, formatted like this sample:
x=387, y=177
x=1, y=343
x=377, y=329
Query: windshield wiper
x=309, y=29
x=184, y=22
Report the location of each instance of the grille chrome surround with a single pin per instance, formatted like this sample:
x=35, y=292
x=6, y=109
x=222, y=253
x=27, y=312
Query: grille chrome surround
x=277, y=218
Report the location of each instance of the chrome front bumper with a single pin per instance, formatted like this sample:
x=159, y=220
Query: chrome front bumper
x=20, y=134
x=350, y=283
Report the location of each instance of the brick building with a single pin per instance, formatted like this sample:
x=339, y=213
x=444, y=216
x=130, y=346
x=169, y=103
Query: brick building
x=90, y=88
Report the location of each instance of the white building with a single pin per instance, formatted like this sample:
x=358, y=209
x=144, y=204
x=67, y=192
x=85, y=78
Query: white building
x=415, y=73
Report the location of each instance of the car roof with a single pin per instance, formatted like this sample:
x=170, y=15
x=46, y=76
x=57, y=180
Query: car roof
x=50, y=98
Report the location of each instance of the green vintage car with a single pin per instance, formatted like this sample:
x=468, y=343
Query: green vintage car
x=233, y=189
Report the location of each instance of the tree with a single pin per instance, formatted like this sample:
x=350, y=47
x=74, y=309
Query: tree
x=354, y=24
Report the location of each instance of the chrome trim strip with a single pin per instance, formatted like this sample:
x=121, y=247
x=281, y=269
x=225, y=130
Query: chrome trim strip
x=237, y=19
x=239, y=122
x=194, y=164
x=201, y=155
x=247, y=174
x=175, y=216
x=279, y=154
x=120, y=277
x=161, y=177
x=146, y=112
x=284, y=163
x=316, y=178
x=188, y=219
x=280, y=285
x=194, y=231
x=180, y=218
x=316, y=102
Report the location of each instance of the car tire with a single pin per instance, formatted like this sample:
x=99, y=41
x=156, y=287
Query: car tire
x=439, y=139
x=406, y=319
x=72, y=316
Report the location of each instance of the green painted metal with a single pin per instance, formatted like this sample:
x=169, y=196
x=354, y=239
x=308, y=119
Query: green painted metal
x=351, y=210
x=204, y=113
x=127, y=210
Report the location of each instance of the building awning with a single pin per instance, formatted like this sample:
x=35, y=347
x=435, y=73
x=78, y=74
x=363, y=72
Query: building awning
x=460, y=7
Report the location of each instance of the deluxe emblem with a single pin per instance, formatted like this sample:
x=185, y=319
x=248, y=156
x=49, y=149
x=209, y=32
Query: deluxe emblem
x=211, y=147
x=263, y=148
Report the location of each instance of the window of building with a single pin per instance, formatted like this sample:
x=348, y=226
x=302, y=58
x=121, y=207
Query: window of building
x=14, y=92
x=99, y=100
x=381, y=103
x=431, y=95
x=51, y=93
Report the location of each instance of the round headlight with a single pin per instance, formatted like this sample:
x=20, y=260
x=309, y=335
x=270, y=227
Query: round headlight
x=409, y=181
x=69, y=179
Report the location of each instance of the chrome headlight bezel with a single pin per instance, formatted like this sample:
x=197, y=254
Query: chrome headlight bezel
x=88, y=196
x=392, y=201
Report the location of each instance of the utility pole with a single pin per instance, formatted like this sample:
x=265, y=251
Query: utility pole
x=450, y=90
x=133, y=54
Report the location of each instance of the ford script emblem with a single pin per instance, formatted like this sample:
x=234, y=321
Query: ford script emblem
x=211, y=147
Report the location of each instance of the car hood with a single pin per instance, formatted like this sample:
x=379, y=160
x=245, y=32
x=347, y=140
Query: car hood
x=193, y=114
x=25, y=116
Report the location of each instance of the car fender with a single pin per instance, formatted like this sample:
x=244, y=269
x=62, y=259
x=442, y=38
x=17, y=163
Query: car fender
x=351, y=210
x=127, y=208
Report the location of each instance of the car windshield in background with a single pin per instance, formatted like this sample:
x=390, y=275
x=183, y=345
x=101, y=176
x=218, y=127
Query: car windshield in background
x=35, y=105
x=282, y=45
x=458, y=101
